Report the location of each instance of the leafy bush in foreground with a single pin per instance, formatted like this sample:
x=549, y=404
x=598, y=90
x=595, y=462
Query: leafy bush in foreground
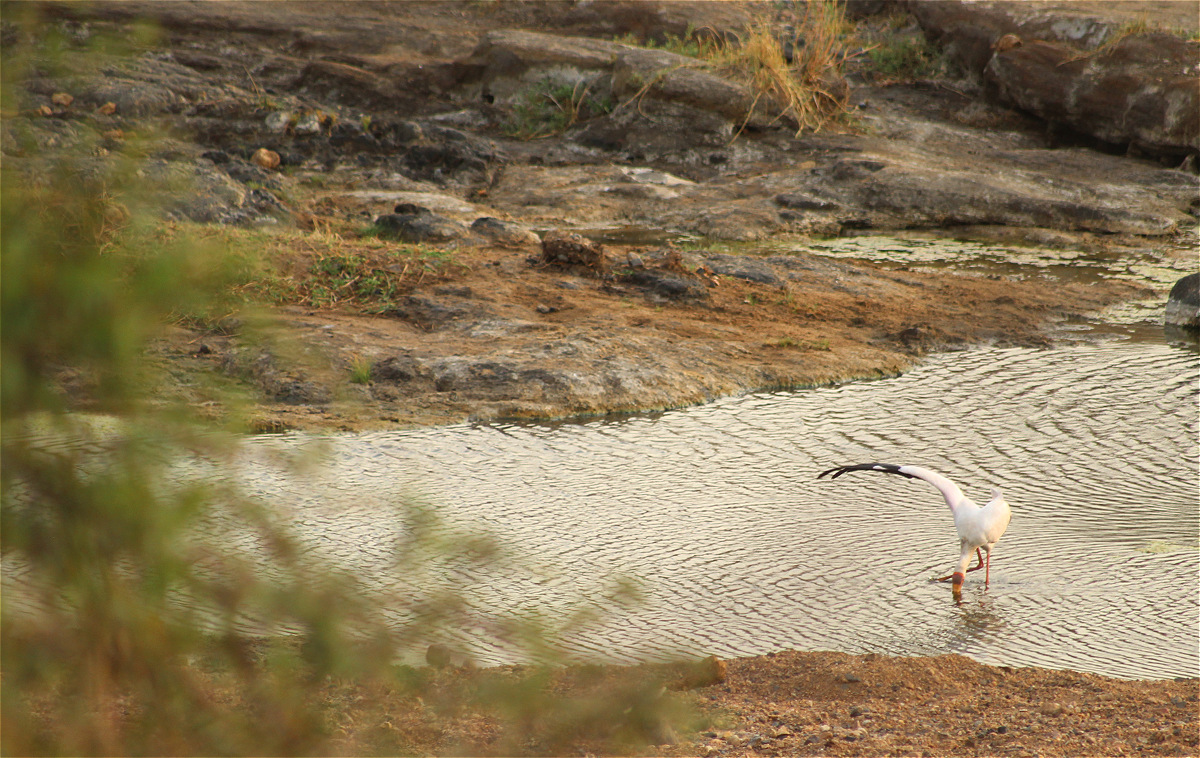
x=130, y=623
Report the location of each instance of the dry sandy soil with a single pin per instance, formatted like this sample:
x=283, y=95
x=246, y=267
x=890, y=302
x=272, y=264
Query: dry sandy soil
x=816, y=703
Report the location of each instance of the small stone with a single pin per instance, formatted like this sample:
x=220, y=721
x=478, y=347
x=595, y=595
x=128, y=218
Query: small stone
x=546, y=309
x=45, y=110
x=265, y=158
x=781, y=732
x=1053, y=709
x=309, y=124
x=411, y=209
x=573, y=249
x=62, y=98
x=278, y=121
x=107, y=109
x=1007, y=42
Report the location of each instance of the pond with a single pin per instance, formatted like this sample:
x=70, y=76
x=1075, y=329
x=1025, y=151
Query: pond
x=740, y=550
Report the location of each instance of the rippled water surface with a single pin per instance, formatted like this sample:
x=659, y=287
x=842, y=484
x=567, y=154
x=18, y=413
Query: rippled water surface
x=743, y=551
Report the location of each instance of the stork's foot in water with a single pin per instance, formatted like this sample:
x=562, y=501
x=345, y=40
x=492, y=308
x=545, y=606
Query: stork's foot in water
x=957, y=577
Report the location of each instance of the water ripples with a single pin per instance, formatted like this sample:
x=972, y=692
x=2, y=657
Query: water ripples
x=742, y=551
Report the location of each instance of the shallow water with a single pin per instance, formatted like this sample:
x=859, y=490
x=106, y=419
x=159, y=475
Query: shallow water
x=742, y=551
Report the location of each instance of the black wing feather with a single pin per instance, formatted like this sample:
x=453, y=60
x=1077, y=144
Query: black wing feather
x=887, y=468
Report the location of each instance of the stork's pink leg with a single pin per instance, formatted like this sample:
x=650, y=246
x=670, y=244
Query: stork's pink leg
x=987, y=572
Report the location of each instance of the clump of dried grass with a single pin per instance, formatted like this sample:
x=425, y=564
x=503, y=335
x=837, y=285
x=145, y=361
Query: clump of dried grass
x=808, y=91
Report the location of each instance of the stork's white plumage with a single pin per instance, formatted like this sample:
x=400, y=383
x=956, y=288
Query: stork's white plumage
x=978, y=528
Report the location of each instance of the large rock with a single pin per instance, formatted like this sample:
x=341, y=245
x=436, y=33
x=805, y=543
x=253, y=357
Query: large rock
x=661, y=75
x=968, y=31
x=1070, y=68
x=509, y=62
x=659, y=19
x=415, y=224
x=1143, y=91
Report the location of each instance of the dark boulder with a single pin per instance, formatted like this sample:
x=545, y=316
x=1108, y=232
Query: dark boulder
x=1183, y=304
x=403, y=370
x=743, y=267
x=667, y=284
x=421, y=226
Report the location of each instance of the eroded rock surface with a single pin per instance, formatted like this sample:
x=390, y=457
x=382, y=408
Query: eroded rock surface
x=1082, y=70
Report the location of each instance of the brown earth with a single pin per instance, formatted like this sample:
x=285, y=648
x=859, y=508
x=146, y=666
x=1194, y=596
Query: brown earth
x=834, y=704
x=813, y=703
x=837, y=321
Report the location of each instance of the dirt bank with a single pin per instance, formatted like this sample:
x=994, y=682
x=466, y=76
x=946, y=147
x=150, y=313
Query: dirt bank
x=824, y=703
x=500, y=335
x=834, y=704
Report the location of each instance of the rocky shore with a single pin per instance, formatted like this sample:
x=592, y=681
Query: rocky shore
x=339, y=131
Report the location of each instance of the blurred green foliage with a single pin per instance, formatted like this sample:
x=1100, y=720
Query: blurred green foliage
x=130, y=620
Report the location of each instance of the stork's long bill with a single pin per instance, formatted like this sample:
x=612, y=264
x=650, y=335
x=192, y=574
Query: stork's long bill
x=978, y=528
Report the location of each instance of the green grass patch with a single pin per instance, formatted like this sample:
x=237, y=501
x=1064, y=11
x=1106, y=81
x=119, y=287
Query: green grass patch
x=319, y=269
x=360, y=370
x=547, y=108
x=689, y=44
x=904, y=59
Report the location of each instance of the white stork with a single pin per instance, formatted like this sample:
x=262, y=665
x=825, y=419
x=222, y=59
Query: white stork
x=977, y=527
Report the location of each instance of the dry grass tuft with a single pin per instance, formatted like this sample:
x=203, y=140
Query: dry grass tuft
x=808, y=90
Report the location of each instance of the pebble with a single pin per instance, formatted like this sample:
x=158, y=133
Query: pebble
x=309, y=124
x=278, y=121
x=265, y=158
